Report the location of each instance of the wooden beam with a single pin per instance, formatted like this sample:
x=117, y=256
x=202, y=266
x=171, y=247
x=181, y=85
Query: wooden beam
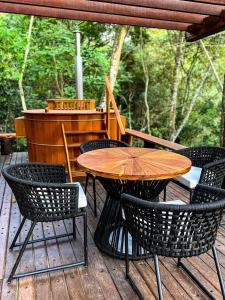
x=218, y=2
x=113, y=101
x=153, y=140
x=116, y=9
x=8, y=135
x=210, y=26
x=174, y=5
x=90, y=16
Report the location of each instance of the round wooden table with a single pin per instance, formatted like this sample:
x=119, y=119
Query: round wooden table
x=141, y=172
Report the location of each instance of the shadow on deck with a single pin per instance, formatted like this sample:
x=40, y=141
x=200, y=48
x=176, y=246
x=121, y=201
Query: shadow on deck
x=104, y=277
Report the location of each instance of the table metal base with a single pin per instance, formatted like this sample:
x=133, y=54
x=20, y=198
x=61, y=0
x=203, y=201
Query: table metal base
x=110, y=234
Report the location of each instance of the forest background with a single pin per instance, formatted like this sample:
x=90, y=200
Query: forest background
x=164, y=86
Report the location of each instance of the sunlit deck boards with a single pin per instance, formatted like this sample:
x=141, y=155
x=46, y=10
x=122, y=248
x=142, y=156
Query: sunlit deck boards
x=104, y=278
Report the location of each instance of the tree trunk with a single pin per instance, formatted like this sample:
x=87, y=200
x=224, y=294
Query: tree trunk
x=176, y=81
x=59, y=80
x=120, y=35
x=27, y=49
x=222, y=136
x=193, y=101
x=194, y=98
x=144, y=63
x=212, y=65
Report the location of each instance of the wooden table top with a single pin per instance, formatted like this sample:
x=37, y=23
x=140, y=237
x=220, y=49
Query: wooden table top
x=130, y=163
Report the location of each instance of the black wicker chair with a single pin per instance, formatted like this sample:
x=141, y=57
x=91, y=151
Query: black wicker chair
x=176, y=231
x=94, y=145
x=43, y=195
x=208, y=167
x=109, y=234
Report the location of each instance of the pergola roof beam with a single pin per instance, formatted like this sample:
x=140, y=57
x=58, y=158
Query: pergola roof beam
x=90, y=16
x=117, y=9
x=209, y=26
x=214, y=2
x=174, y=5
x=199, y=18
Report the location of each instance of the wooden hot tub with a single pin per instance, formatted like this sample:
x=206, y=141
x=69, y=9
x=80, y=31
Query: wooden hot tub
x=43, y=131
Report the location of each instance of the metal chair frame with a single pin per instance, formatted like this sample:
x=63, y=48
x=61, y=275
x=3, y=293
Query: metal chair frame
x=175, y=224
x=54, y=208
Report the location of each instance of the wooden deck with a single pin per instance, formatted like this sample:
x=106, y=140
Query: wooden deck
x=104, y=277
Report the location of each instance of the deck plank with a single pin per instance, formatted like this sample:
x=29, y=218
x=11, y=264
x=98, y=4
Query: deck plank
x=104, y=277
x=42, y=282
x=26, y=289
x=9, y=292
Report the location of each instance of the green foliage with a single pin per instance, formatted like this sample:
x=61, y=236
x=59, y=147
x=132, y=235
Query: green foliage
x=50, y=74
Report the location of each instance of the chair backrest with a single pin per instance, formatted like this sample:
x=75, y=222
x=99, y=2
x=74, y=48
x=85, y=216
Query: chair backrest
x=40, y=193
x=213, y=174
x=99, y=144
x=201, y=156
x=176, y=230
x=39, y=172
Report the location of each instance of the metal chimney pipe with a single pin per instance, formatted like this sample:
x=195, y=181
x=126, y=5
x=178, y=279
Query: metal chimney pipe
x=78, y=68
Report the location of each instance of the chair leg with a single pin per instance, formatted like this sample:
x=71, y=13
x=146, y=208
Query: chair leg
x=128, y=277
x=107, y=197
x=158, y=278
x=126, y=254
x=85, y=241
x=191, y=193
x=164, y=194
x=17, y=234
x=218, y=269
x=86, y=183
x=27, y=241
x=21, y=252
x=94, y=196
x=74, y=229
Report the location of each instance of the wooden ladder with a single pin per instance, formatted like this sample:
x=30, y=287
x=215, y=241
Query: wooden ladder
x=71, y=162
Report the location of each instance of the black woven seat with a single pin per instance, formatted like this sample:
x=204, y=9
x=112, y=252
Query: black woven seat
x=94, y=145
x=211, y=160
x=43, y=195
x=177, y=231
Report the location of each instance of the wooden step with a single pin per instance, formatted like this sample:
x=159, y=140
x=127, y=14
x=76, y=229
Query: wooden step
x=85, y=132
x=74, y=145
x=77, y=173
x=73, y=159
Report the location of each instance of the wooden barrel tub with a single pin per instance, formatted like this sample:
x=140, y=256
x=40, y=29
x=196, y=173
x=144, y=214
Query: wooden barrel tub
x=43, y=130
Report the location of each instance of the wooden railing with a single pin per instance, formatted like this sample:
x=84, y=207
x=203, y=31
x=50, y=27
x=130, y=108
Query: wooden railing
x=71, y=104
x=11, y=135
x=111, y=100
x=150, y=140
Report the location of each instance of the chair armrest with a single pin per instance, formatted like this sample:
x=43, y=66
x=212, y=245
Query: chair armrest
x=204, y=194
x=213, y=173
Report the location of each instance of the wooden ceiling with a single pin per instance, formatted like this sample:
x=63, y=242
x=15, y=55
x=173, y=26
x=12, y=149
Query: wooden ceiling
x=198, y=18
